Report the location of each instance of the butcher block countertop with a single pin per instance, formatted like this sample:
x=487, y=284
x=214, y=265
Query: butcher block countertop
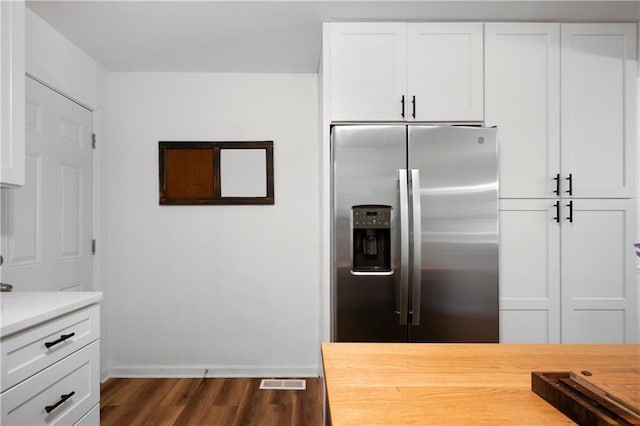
x=454, y=384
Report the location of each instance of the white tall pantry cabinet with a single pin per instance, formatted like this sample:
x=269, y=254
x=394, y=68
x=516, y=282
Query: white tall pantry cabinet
x=563, y=97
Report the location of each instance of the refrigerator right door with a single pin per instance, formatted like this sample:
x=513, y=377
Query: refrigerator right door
x=455, y=234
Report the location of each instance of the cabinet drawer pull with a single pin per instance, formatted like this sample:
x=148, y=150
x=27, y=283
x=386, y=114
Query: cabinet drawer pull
x=570, y=179
x=557, y=206
x=402, y=101
x=557, y=179
x=570, y=217
x=413, y=103
x=60, y=340
x=63, y=398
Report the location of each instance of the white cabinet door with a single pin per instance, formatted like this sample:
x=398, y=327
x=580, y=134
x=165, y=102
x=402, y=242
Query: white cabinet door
x=12, y=27
x=368, y=71
x=529, y=272
x=599, y=301
x=598, y=109
x=522, y=98
x=445, y=67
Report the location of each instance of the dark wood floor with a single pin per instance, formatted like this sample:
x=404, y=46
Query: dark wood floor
x=207, y=402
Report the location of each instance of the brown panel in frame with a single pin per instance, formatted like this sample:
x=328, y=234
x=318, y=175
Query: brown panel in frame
x=190, y=173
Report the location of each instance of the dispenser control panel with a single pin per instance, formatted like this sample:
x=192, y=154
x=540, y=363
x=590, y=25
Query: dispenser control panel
x=371, y=217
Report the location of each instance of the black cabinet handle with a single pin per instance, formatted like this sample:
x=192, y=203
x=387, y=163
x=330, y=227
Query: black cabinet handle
x=60, y=340
x=413, y=103
x=63, y=398
x=402, y=101
x=557, y=206
x=557, y=179
x=570, y=217
x=570, y=179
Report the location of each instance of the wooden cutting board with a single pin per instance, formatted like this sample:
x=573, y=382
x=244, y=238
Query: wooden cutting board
x=620, y=386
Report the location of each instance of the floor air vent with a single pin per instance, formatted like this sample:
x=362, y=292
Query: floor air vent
x=280, y=384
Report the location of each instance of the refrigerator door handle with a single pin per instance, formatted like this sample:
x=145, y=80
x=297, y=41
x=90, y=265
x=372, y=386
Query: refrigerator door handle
x=404, y=246
x=417, y=247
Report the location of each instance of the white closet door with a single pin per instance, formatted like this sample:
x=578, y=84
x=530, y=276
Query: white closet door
x=598, y=92
x=529, y=272
x=522, y=98
x=599, y=300
x=47, y=225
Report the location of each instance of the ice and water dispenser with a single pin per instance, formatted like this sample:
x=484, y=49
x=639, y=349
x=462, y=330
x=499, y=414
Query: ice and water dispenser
x=371, y=238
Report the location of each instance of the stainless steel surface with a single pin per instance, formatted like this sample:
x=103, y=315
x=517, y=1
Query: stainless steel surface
x=417, y=247
x=443, y=284
x=459, y=201
x=404, y=246
x=366, y=160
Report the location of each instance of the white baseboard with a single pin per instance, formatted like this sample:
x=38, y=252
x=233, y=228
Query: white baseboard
x=191, y=371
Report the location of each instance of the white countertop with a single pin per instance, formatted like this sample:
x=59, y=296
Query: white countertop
x=23, y=309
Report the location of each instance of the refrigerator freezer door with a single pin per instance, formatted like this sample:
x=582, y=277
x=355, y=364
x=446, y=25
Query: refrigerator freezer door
x=459, y=233
x=367, y=161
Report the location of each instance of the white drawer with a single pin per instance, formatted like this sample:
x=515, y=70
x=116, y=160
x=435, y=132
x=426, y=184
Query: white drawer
x=25, y=353
x=25, y=403
x=92, y=418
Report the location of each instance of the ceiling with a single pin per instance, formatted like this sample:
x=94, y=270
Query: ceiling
x=267, y=36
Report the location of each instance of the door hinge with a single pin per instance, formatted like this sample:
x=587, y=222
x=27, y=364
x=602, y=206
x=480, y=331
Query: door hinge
x=93, y=140
x=93, y=247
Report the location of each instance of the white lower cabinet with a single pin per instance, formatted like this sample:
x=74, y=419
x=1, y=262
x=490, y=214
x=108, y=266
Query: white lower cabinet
x=92, y=418
x=598, y=289
x=50, y=368
x=529, y=272
x=570, y=279
x=26, y=353
x=61, y=394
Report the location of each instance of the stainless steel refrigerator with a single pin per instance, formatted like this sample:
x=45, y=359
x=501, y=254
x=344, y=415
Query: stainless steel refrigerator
x=414, y=233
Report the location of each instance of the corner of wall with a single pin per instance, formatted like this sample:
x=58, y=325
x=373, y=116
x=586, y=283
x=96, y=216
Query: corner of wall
x=325, y=185
x=57, y=62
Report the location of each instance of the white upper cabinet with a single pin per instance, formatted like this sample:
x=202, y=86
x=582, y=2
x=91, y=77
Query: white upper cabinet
x=398, y=71
x=598, y=85
x=445, y=64
x=563, y=98
x=522, y=70
x=12, y=101
x=368, y=70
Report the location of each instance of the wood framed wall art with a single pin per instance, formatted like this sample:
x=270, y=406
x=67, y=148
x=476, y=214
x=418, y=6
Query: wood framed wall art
x=197, y=173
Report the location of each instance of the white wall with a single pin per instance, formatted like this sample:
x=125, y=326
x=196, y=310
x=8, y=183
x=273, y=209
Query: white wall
x=55, y=61
x=230, y=288
x=59, y=63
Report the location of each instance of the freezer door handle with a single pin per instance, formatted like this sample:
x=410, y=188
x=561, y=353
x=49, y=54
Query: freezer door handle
x=404, y=246
x=416, y=280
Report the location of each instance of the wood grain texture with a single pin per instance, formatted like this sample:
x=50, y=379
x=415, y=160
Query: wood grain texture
x=216, y=401
x=453, y=384
x=621, y=386
x=578, y=402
